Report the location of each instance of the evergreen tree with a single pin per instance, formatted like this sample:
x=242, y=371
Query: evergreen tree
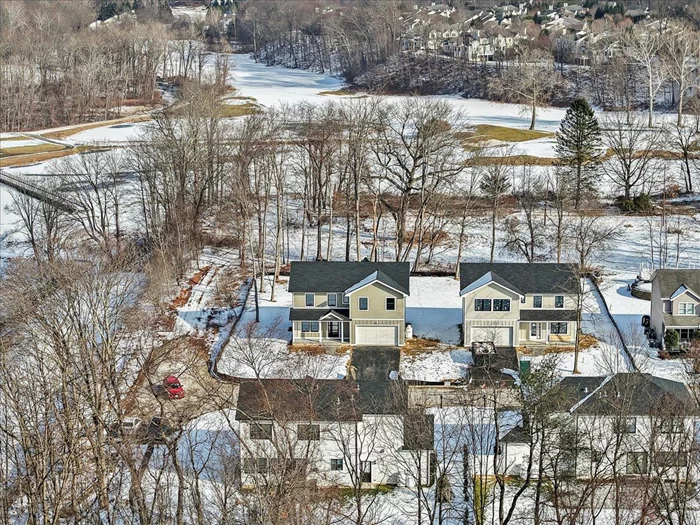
x=578, y=148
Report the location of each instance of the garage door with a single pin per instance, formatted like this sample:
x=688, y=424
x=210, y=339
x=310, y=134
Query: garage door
x=500, y=336
x=376, y=335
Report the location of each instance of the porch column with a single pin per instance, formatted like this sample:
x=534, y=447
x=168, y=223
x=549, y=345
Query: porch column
x=546, y=331
x=320, y=331
x=341, y=331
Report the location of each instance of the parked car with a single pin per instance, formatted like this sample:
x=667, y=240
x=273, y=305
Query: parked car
x=173, y=387
x=128, y=427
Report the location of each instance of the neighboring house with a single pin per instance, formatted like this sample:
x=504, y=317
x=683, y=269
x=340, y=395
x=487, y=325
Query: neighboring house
x=519, y=304
x=360, y=303
x=332, y=433
x=626, y=424
x=675, y=303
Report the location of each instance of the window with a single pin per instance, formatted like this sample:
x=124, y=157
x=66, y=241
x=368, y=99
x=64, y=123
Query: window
x=363, y=304
x=254, y=465
x=310, y=299
x=332, y=298
x=558, y=328
x=671, y=426
x=261, y=431
x=637, y=462
x=308, y=432
x=628, y=425
x=671, y=459
x=522, y=299
x=365, y=471
x=346, y=299
x=482, y=305
x=533, y=329
x=390, y=303
x=501, y=305
x=336, y=464
x=686, y=309
x=307, y=326
x=558, y=301
x=537, y=301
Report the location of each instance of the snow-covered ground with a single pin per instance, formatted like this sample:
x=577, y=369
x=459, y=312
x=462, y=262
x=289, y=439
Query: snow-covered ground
x=260, y=349
x=434, y=308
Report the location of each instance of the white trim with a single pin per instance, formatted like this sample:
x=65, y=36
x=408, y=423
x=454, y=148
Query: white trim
x=482, y=281
x=680, y=291
x=328, y=295
x=693, y=308
x=335, y=316
x=361, y=320
x=359, y=308
x=371, y=279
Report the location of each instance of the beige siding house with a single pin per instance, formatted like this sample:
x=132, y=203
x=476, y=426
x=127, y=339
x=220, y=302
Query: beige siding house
x=357, y=303
x=513, y=304
x=675, y=303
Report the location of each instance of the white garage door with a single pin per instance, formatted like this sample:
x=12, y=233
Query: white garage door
x=499, y=335
x=376, y=335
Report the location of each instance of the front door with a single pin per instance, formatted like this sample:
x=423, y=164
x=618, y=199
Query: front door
x=333, y=329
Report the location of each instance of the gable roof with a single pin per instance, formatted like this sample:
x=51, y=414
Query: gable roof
x=336, y=276
x=309, y=399
x=528, y=277
x=377, y=276
x=487, y=278
x=669, y=281
x=624, y=393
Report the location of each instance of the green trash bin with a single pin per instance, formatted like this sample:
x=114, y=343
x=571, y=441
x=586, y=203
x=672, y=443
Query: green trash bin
x=524, y=366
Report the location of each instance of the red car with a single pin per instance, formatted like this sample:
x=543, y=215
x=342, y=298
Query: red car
x=173, y=387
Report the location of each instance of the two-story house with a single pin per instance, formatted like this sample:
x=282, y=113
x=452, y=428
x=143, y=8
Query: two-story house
x=360, y=303
x=332, y=433
x=625, y=424
x=675, y=303
x=519, y=304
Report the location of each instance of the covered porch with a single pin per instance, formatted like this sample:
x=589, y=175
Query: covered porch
x=546, y=332
x=320, y=326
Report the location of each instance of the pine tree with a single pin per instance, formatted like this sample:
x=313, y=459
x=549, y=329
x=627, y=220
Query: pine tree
x=578, y=148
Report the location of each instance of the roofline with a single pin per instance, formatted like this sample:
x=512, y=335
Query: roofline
x=463, y=293
x=376, y=279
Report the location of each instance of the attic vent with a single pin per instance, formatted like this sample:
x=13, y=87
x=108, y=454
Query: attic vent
x=585, y=390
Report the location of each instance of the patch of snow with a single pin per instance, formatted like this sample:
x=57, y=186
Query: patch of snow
x=434, y=308
x=439, y=365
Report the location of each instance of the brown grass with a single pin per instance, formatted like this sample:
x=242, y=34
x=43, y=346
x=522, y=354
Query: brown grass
x=515, y=160
x=309, y=349
x=23, y=160
x=10, y=139
x=27, y=150
x=239, y=110
x=338, y=93
x=419, y=345
x=241, y=97
x=485, y=132
x=585, y=343
x=64, y=133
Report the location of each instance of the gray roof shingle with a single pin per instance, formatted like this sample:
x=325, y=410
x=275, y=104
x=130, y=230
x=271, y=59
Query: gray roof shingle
x=314, y=314
x=528, y=277
x=626, y=393
x=336, y=276
x=548, y=315
x=691, y=321
x=309, y=399
x=670, y=280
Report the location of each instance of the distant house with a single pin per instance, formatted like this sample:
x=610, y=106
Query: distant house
x=332, y=433
x=675, y=303
x=360, y=303
x=626, y=424
x=519, y=304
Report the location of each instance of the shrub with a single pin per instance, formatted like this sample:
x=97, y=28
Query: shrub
x=637, y=203
x=671, y=338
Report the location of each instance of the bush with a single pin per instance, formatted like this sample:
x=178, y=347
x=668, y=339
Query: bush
x=638, y=203
x=671, y=339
